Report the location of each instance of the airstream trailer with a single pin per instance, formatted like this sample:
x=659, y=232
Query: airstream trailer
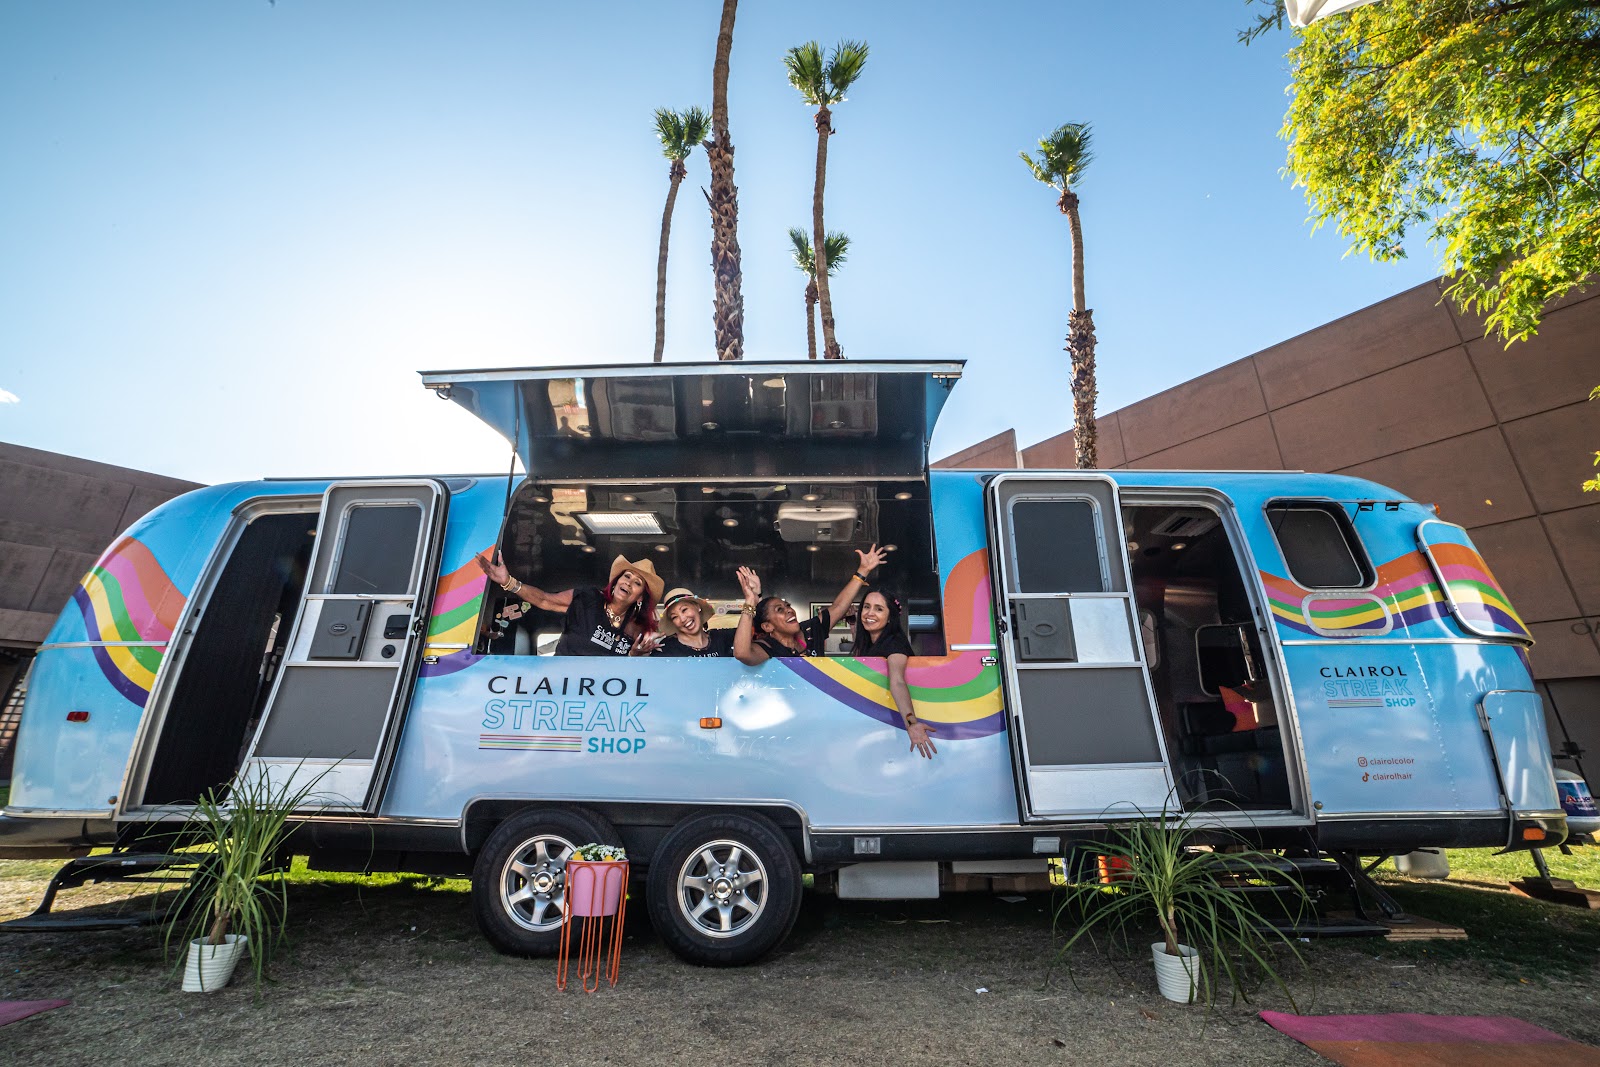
x=1310, y=659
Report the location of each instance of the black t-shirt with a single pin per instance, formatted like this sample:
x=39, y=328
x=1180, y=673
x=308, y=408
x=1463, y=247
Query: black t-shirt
x=813, y=639
x=587, y=630
x=721, y=644
x=892, y=642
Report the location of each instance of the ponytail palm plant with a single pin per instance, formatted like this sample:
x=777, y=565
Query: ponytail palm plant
x=1193, y=895
x=1063, y=156
x=238, y=887
x=835, y=248
x=679, y=132
x=822, y=82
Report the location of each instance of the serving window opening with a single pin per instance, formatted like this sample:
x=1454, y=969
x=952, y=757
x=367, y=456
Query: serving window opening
x=800, y=537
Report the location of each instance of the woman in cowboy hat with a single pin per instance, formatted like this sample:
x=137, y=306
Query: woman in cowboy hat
x=689, y=618
x=616, y=620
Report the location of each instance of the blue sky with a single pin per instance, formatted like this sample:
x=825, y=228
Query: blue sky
x=231, y=231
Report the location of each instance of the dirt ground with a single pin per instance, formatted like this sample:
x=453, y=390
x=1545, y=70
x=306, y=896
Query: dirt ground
x=399, y=975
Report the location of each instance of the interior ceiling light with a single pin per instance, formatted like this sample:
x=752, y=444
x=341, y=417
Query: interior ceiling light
x=628, y=498
x=811, y=496
x=730, y=522
x=902, y=496
x=661, y=548
x=621, y=522
x=812, y=548
x=540, y=498
x=1180, y=546
x=708, y=426
x=708, y=489
x=588, y=548
x=779, y=488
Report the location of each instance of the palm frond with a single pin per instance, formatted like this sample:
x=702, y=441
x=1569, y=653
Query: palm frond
x=680, y=132
x=1065, y=153
x=805, y=68
x=836, y=246
x=804, y=259
x=844, y=67
x=1038, y=170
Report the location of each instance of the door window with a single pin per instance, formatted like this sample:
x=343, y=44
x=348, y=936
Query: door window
x=379, y=549
x=1056, y=547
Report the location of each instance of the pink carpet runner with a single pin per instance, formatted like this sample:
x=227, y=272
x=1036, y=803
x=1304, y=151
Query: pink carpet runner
x=13, y=1010
x=1404, y=1040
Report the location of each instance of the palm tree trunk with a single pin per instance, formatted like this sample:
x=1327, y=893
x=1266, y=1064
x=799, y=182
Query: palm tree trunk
x=217, y=934
x=811, y=319
x=728, y=313
x=1080, y=349
x=830, y=344
x=677, y=174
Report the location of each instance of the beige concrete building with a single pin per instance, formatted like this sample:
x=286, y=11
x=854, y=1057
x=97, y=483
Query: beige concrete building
x=57, y=514
x=1410, y=393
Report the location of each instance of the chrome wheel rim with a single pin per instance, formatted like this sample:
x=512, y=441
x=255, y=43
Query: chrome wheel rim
x=722, y=888
x=533, y=882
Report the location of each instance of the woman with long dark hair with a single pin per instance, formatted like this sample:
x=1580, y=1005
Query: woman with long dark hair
x=880, y=633
x=617, y=619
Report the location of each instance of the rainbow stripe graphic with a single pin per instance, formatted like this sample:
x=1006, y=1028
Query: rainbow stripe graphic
x=127, y=597
x=456, y=606
x=536, y=743
x=1479, y=601
x=955, y=693
x=1407, y=592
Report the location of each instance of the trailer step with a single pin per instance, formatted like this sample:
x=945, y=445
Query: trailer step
x=152, y=867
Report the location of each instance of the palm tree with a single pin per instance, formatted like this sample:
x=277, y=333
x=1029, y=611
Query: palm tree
x=823, y=83
x=728, y=314
x=1063, y=155
x=679, y=134
x=834, y=250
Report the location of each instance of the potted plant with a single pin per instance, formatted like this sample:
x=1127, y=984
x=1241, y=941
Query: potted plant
x=596, y=885
x=236, y=901
x=1194, y=895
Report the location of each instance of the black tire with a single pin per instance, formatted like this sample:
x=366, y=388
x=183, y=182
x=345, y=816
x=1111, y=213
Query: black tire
x=519, y=879
x=724, y=889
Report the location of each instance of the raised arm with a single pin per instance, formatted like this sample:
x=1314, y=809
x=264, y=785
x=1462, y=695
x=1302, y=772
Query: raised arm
x=917, y=730
x=870, y=560
x=745, y=649
x=496, y=570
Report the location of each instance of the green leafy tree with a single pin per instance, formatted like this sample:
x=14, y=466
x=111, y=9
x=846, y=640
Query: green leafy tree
x=834, y=249
x=727, y=274
x=1476, y=122
x=823, y=82
x=1063, y=155
x=679, y=134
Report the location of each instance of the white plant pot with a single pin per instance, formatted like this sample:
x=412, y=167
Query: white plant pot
x=209, y=967
x=1178, y=976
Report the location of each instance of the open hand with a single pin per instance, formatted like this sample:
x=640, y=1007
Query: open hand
x=750, y=582
x=496, y=570
x=920, y=741
x=871, y=560
x=645, y=644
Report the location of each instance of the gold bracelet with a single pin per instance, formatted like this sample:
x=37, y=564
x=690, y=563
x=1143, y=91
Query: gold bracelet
x=748, y=609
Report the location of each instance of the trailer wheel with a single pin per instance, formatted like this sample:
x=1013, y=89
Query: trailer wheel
x=519, y=882
x=724, y=889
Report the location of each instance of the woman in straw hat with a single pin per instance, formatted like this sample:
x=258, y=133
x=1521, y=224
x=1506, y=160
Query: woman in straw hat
x=618, y=619
x=688, y=618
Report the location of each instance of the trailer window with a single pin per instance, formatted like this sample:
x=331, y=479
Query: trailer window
x=1319, y=545
x=380, y=546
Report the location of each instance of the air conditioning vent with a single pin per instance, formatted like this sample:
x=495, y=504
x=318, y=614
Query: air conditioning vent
x=817, y=522
x=1185, y=524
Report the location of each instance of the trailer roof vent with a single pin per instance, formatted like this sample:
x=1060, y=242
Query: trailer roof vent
x=1185, y=524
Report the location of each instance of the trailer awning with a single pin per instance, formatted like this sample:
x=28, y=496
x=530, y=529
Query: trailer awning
x=711, y=420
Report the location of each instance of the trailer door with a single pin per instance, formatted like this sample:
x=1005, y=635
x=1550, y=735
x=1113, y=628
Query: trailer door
x=1081, y=708
x=338, y=704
